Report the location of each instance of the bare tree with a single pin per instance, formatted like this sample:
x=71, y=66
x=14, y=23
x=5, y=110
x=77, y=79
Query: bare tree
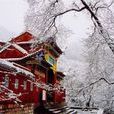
x=41, y=21
x=42, y=18
x=100, y=70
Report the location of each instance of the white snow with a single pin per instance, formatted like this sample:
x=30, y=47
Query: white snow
x=4, y=47
x=20, y=48
x=18, y=70
x=9, y=95
x=93, y=111
x=16, y=59
x=14, y=45
x=100, y=111
x=28, y=42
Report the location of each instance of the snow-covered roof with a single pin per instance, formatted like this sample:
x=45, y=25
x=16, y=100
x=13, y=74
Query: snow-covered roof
x=32, y=41
x=14, y=45
x=2, y=43
x=17, y=69
x=25, y=53
x=24, y=36
x=17, y=59
x=4, y=47
x=20, y=48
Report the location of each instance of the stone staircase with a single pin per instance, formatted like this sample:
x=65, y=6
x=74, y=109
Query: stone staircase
x=60, y=109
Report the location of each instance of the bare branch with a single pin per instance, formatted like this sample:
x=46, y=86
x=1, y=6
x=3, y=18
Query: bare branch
x=93, y=83
x=96, y=4
x=103, y=6
x=73, y=9
x=54, y=17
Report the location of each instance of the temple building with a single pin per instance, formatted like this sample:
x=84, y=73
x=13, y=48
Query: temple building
x=28, y=73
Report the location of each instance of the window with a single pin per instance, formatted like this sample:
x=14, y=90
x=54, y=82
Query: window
x=16, y=83
x=31, y=87
x=44, y=95
x=51, y=60
x=40, y=55
x=25, y=85
x=0, y=89
x=6, y=81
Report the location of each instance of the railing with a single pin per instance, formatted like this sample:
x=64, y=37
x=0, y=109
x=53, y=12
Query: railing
x=8, y=95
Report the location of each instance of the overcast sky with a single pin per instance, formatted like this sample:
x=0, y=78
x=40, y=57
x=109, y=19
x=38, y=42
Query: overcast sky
x=12, y=14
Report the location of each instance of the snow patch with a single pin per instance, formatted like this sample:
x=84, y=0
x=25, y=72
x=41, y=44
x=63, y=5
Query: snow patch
x=100, y=111
x=18, y=70
x=20, y=48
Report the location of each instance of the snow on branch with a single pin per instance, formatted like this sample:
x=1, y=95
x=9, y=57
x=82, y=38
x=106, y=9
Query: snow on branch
x=46, y=17
x=14, y=66
x=9, y=95
x=95, y=82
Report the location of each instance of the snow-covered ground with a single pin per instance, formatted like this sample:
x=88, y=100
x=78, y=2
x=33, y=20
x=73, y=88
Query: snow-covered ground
x=100, y=111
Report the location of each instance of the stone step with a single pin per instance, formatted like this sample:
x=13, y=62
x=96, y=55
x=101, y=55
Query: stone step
x=74, y=112
x=55, y=109
x=63, y=111
x=69, y=111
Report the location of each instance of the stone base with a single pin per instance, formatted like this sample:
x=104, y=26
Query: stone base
x=16, y=109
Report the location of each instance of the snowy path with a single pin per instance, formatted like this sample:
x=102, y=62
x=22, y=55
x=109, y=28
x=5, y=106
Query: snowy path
x=86, y=112
x=100, y=111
